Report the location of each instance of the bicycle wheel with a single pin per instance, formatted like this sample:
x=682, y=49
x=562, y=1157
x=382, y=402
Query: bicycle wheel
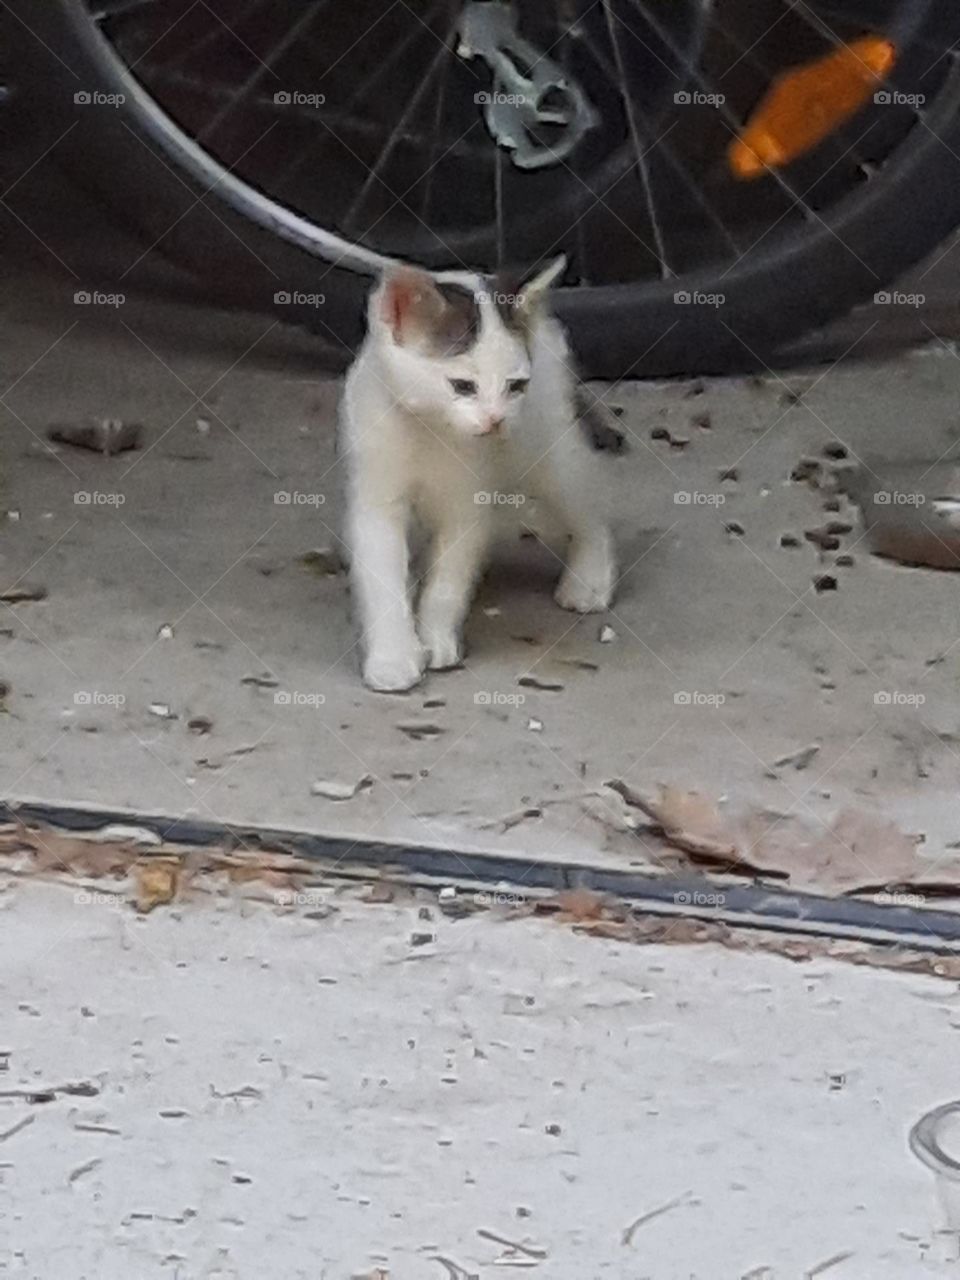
x=288, y=150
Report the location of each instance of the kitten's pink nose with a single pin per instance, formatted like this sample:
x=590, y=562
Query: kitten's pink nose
x=491, y=426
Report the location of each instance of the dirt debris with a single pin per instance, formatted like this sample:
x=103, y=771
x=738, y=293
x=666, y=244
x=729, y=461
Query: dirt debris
x=102, y=435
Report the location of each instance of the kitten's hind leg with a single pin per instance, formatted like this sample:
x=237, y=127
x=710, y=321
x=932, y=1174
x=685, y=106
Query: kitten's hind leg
x=456, y=562
x=393, y=660
x=589, y=578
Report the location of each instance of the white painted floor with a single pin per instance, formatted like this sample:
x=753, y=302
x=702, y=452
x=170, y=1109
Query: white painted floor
x=386, y=1102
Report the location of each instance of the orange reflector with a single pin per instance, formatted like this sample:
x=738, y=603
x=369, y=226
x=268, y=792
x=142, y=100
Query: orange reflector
x=804, y=106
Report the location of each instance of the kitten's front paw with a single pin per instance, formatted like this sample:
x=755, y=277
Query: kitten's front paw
x=586, y=592
x=443, y=650
x=393, y=672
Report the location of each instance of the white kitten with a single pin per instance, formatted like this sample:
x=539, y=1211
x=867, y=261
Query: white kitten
x=461, y=392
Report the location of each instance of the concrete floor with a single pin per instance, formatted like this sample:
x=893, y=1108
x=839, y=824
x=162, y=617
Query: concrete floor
x=391, y=1099
x=268, y=1094
x=181, y=585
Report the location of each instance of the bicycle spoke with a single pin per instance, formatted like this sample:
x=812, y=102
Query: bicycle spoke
x=671, y=157
x=395, y=135
x=265, y=68
x=434, y=151
x=665, y=270
x=826, y=32
x=733, y=123
x=217, y=32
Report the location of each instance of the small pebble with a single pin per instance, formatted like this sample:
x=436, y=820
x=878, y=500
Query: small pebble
x=734, y=527
x=536, y=726
x=162, y=710
x=789, y=540
x=607, y=635
x=165, y=632
x=834, y=449
x=824, y=582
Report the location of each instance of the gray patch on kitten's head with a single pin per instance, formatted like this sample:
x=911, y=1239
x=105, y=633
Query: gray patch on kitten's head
x=506, y=290
x=457, y=326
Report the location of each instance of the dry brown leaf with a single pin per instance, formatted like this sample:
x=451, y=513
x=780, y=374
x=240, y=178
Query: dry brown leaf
x=575, y=904
x=54, y=851
x=156, y=883
x=688, y=819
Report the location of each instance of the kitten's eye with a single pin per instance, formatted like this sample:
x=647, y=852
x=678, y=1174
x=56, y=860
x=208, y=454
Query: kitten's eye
x=517, y=386
x=463, y=386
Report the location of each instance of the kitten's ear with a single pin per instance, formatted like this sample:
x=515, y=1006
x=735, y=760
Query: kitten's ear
x=534, y=291
x=408, y=303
